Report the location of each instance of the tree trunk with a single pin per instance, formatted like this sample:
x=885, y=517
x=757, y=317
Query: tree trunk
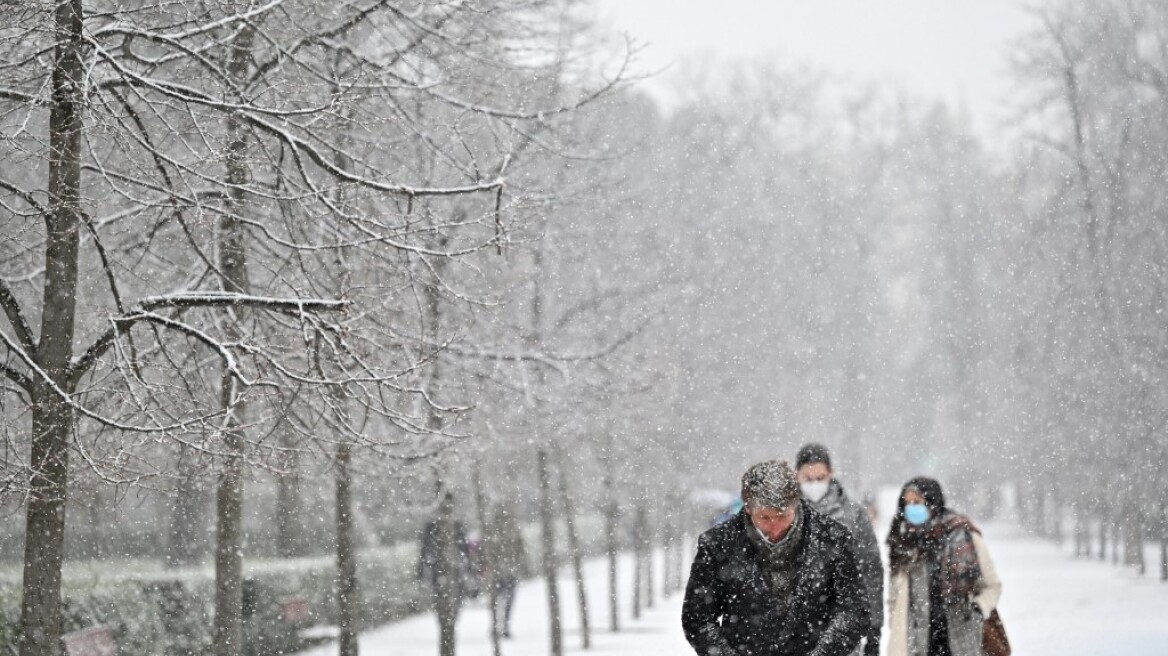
x=52, y=416
x=1039, y=515
x=1164, y=556
x=290, y=541
x=638, y=561
x=1115, y=541
x=1133, y=544
x=487, y=558
x=546, y=520
x=187, y=542
x=612, y=548
x=229, y=538
x=1056, y=510
x=449, y=593
x=577, y=559
x=648, y=544
x=347, y=592
x=45, y=528
x=1082, y=532
x=233, y=267
x=1103, y=537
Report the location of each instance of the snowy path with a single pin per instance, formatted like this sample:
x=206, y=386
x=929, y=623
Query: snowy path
x=1052, y=605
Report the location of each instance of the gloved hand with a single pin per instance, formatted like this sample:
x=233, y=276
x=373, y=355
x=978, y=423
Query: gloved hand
x=872, y=646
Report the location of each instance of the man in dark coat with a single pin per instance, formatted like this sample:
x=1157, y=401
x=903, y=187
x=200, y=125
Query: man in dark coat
x=821, y=489
x=780, y=579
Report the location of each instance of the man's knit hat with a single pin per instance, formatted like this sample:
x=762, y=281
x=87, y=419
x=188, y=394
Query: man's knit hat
x=770, y=484
x=812, y=453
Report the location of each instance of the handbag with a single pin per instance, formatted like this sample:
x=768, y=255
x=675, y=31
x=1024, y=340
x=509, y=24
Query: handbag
x=993, y=636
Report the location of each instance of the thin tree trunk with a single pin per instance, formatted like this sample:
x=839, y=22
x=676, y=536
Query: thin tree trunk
x=1056, y=510
x=1102, y=538
x=546, y=520
x=1164, y=554
x=577, y=559
x=1040, y=513
x=612, y=549
x=638, y=561
x=1082, y=533
x=52, y=416
x=488, y=559
x=1133, y=545
x=290, y=541
x=229, y=537
x=229, y=504
x=187, y=537
x=347, y=591
x=648, y=543
x=1115, y=541
x=449, y=577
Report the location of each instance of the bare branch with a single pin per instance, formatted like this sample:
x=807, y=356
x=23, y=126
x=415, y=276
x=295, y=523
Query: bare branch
x=15, y=316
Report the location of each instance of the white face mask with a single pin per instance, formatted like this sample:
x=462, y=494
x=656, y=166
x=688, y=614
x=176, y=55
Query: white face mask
x=814, y=490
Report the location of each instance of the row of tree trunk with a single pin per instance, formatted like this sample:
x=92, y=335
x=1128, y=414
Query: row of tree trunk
x=1117, y=530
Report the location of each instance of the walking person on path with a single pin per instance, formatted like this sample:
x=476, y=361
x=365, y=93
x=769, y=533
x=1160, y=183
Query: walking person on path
x=779, y=579
x=943, y=586
x=507, y=564
x=820, y=488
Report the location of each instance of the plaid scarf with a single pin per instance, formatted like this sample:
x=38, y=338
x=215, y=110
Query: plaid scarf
x=947, y=541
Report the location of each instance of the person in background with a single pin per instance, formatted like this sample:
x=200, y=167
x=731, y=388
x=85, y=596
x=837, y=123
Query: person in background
x=779, y=579
x=820, y=488
x=943, y=585
x=444, y=556
x=506, y=562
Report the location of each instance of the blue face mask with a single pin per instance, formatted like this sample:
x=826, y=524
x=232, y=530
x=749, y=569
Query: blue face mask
x=916, y=513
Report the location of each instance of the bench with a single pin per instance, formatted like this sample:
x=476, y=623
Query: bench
x=94, y=641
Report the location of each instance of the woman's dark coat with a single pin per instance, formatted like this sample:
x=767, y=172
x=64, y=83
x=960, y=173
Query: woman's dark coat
x=729, y=609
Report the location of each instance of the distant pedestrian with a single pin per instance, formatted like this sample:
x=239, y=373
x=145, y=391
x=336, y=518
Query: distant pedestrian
x=444, y=560
x=779, y=579
x=506, y=561
x=823, y=491
x=943, y=586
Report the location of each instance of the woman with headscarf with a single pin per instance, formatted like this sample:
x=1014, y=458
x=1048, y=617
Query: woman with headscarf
x=943, y=585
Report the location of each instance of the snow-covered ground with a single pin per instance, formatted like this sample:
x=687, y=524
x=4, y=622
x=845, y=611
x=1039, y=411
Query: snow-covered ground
x=1052, y=605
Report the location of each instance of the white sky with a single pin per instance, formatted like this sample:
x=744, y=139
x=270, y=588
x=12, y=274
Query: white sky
x=947, y=49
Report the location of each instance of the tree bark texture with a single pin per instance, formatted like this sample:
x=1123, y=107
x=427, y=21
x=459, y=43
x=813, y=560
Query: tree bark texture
x=290, y=541
x=347, y=591
x=187, y=539
x=612, y=548
x=488, y=560
x=229, y=502
x=638, y=562
x=548, y=555
x=52, y=415
x=448, y=590
x=577, y=559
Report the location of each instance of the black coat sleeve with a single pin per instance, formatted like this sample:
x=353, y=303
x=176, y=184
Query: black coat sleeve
x=850, y=621
x=871, y=568
x=703, y=606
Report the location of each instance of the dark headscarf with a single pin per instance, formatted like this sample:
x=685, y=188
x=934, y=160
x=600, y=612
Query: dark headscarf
x=945, y=539
x=906, y=541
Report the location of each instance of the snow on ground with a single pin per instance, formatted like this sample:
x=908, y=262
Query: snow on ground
x=1052, y=605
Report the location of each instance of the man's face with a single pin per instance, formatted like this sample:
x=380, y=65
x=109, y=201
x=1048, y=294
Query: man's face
x=813, y=472
x=773, y=522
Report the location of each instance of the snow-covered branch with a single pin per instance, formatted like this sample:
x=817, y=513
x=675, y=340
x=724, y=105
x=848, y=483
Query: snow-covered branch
x=144, y=311
x=15, y=315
